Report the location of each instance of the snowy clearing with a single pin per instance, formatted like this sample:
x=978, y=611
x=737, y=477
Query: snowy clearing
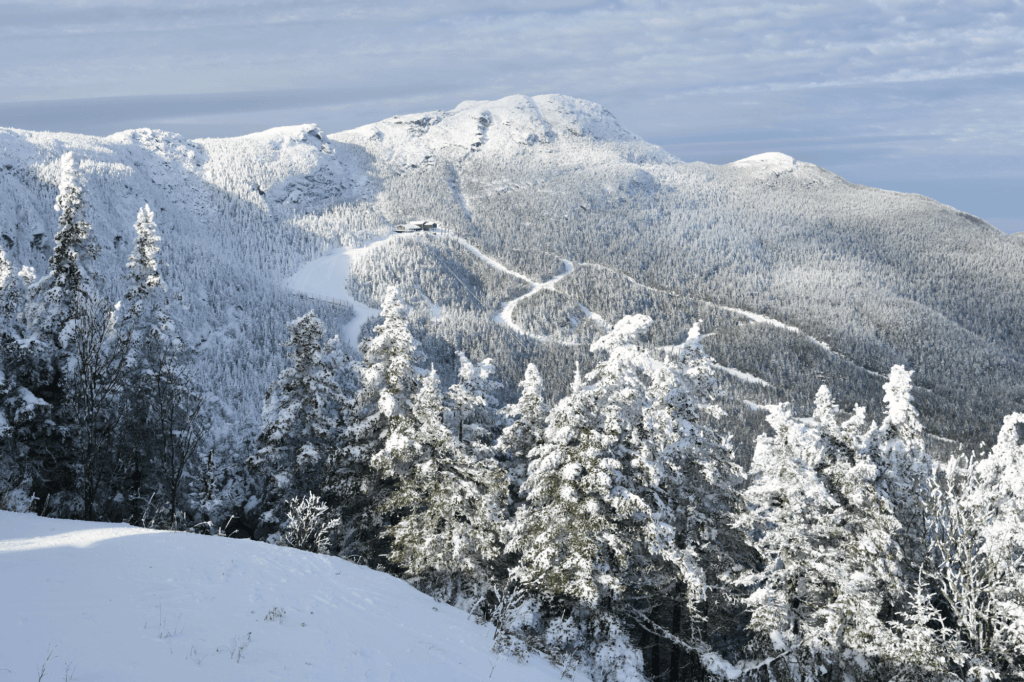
x=114, y=602
x=326, y=279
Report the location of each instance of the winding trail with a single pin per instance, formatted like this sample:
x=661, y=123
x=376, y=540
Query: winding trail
x=505, y=316
x=327, y=278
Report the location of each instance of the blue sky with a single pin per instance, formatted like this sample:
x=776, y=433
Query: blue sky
x=926, y=97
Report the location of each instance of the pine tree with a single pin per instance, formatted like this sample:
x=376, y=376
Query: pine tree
x=67, y=287
x=301, y=415
x=976, y=522
x=389, y=377
x=896, y=447
x=25, y=366
x=144, y=271
x=603, y=525
x=820, y=516
x=471, y=408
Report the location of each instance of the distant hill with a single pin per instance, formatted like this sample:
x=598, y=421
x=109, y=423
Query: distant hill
x=798, y=276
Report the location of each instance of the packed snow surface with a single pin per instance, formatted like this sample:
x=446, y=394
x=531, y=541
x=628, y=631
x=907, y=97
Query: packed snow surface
x=327, y=279
x=104, y=602
x=769, y=161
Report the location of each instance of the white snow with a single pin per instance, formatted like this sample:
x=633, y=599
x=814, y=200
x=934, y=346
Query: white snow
x=773, y=162
x=327, y=279
x=742, y=376
x=754, y=317
x=110, y=602
x=505, y=316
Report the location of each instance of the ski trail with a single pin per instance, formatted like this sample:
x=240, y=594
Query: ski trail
x=327, y=279
x=763, y=319
x=505, y=316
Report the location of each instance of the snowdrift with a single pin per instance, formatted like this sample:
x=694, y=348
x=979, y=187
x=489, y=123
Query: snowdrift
x=95, y=601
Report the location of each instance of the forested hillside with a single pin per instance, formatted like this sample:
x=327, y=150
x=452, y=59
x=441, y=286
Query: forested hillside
x=878, y=277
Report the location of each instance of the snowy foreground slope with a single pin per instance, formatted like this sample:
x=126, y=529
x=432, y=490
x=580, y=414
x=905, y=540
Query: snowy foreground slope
x=107, y=602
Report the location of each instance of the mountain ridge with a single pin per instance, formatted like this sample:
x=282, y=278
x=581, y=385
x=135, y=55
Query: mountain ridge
x=880, y=277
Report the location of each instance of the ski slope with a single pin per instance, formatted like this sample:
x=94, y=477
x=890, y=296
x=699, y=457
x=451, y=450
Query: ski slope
x=327, y=279
x=98, y=602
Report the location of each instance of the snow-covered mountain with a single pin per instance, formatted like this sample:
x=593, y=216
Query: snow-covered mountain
x=155, y=605
x=554, y=221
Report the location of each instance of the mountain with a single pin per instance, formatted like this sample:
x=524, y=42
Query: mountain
x=157, y=605
x=554, y=221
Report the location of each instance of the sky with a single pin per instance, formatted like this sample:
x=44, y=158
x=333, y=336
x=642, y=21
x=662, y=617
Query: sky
x=924, y=97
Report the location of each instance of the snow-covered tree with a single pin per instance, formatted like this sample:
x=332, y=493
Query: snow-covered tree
x=826, y=540
x=605, y=524
x=389, y=377
x=526, y=430
x=896, y=447
x=143, y=269
x=836, y=596
x=449, y=503
x=471, y=408
x=301, y=415
x=25, y=364
x=67, y=287
x=976, y=522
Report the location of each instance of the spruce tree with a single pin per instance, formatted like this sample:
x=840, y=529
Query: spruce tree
x=896, y=447
x=26, y=371
x=471, y=408
x=143, y=268
x=526, y=430
x=301, y=415
x=832, y=591
x=67, y=287
x=449, y=504
x=389, y=377
x=604, y=525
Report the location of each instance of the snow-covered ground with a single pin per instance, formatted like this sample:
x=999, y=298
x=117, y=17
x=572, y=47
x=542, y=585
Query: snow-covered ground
x=327, y=279
x=107, y=602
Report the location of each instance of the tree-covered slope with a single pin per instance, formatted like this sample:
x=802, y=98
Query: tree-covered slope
x=799, y=277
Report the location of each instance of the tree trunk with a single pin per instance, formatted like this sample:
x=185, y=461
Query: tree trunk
x=673, y=666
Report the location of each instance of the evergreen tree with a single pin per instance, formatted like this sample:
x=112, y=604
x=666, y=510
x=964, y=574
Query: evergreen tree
x=603, y=525
x=526, y=430
x=301, y=415
x=389, y=377
x=471, y=408
x=449, y=504
x=143, y=268
x=833, y=593
x=93, y=363
x=67, y=287
x=976, y=521
x=896, y=447
x=25, y=371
